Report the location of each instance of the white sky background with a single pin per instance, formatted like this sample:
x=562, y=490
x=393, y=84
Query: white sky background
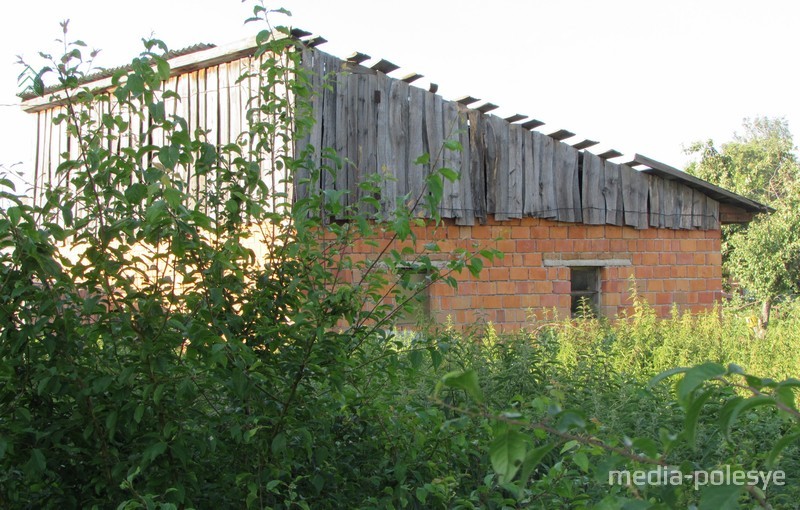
x=638, y=76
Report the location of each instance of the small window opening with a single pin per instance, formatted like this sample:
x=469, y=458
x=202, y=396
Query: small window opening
x=584, y=291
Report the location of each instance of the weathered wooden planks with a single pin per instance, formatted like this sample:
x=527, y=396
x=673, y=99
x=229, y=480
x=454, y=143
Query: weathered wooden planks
x=477, y=163
x=612, y=192
x=592, y=199
x=567, y=184
x=634, y=197
x=380, y=124
x=544, y=185
x=516, y=160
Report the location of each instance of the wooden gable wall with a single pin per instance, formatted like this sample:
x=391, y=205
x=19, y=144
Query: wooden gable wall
x=379, y=124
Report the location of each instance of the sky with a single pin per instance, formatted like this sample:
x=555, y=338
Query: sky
x=639, y=76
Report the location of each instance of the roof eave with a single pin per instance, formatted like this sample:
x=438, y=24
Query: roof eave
x=717, y=193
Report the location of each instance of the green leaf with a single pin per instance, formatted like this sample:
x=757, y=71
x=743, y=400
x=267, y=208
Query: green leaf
x=779, y=446
x=449, y=174
x=423, y=160
x=664, y=375
x=467, y=381
x=138, y=413
x=163, y=68
x=135, y=84
x=278, y=444
x=693, y=414
x=581, y=461
x=507, y=452
x=154, y=450
x=729, y=419
x=720, y=497
x=696, y=376
x=136, y=193
x=453, y=145
x=533, y=459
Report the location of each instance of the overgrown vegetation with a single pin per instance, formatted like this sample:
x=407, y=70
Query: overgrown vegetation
x=160, y=364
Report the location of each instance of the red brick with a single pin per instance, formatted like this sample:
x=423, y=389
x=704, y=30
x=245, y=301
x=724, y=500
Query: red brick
x=549, y=300
x=497, y=273
x=525, y=246
x=506, y=288
x=630, y=233
x=561, y=287
x=563, y=246
x=576, y=232
x=613, y=232
x=520, y=232
x=650, y=259
x=518, y=273
x=540, y=233
x=532, y=259
x=558, y=232
x=537, y=273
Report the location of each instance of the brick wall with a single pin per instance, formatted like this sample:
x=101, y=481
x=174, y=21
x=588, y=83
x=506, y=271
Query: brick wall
x=680, y=267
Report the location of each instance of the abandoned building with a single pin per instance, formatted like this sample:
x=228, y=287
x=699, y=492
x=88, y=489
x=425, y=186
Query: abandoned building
x=572, y=224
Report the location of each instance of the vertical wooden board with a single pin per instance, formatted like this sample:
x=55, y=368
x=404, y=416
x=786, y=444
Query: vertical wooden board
x=416, y=144
x=47, y=155
x=211, y=123
x=491, y=164
x=385, y=154
x=342, y=125
x=477, y=163
x=353, y=150
x=200, y=123
x=398, y=135
x=544, y=156
x=698, y=208
x=568, y=202
x=629, y=204
x=640, y=190
x=183, y=172
x=212, y=106
x=516, y=169
x=434, y=130
x=234, y=101
x=315, y=134
x=368, y=130
x=686, y=206
x=433, y=139
x=223, y=121
x=634, y=197
x=655, y=196
x=671, y=204
x=39, y=161
x=450, y=206
x=592, y=200
x=497, y=165
x=529, y=185
x=612, y=191
x=465, y=171
x=332, y=67
x=302, y=137
x=57, y=178
x=712, y=214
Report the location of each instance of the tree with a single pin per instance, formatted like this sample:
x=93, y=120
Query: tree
x=761, y=164
x=162, y=361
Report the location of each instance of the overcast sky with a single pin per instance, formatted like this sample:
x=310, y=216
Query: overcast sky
x=638, y=76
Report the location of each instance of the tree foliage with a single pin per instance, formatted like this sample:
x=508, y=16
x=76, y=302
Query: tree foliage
x=760, y=163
